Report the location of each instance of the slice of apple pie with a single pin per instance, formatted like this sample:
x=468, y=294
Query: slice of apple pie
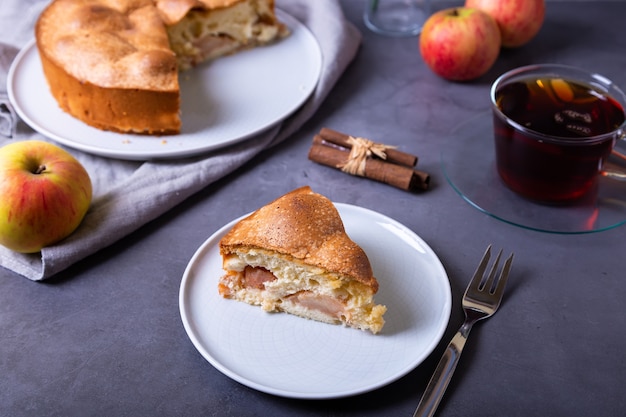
x=293, y=255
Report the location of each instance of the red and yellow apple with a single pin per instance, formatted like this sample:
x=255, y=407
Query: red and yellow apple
x=460, y=43
x=45, y=192
x=519, y=20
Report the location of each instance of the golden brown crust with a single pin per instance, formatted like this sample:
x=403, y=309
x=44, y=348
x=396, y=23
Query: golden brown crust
x=115, y=109
x=306, y=226
x=108, y=63
x=109, y=46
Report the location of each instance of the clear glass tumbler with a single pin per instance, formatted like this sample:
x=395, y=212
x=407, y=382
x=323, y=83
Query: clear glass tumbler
x=396, y=17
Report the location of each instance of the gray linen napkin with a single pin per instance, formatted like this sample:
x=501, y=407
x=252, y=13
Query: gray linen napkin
x=129, y=194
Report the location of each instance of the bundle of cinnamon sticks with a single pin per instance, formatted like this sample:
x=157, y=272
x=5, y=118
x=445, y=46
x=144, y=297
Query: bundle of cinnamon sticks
x=362, y=157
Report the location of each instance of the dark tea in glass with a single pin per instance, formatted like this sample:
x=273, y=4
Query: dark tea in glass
x=553, y=130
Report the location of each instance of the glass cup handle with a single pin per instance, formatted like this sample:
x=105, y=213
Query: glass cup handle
x=615, y=167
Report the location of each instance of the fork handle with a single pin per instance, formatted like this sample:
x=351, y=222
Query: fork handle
x=443, y=373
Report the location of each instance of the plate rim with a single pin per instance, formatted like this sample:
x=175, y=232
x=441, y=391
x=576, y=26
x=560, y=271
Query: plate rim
x=314, y=51
x=443, y=284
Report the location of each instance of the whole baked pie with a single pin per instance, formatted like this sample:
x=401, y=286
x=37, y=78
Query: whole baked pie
x=114, y=64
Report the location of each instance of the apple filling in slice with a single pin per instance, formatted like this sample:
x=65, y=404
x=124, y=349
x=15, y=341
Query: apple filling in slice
x=279, y=284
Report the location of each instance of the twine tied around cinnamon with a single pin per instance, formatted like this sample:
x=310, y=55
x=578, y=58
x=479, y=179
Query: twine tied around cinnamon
x=362, y=149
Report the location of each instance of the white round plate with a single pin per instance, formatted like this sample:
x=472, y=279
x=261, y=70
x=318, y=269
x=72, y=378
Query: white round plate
x=222, y=102
x=288, y=356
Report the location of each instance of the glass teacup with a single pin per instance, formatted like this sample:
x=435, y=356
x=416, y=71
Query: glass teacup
x=554, y=128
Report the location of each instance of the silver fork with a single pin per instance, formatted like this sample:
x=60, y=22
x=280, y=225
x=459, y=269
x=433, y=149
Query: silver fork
x=481, y=300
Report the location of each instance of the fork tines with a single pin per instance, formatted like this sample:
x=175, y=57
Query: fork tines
x=480, y=281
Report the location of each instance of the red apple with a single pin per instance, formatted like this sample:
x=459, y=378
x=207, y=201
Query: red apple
x=460, y=43
x=45, y=195
x=519, y=20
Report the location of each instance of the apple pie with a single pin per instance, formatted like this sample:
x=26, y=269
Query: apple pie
x=293, y=255
x=114, y=64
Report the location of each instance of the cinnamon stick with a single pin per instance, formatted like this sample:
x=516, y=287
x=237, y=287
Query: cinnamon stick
x=393, y=155
x=399, y=176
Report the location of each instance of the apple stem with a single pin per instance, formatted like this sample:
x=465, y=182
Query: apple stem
x=40, y=169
